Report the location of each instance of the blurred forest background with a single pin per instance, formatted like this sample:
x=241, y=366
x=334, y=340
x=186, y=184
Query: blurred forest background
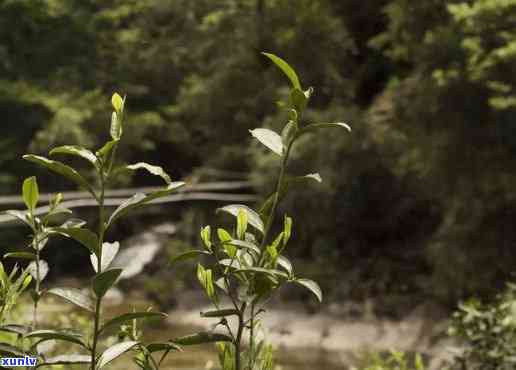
x=417, y=204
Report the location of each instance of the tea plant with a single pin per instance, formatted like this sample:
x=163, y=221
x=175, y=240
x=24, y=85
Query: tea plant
x=102, y=252
x=487, y=331
x=39, y=226
x=247, y=263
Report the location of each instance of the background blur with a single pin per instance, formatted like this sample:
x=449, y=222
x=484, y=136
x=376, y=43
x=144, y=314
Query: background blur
x=417, y=204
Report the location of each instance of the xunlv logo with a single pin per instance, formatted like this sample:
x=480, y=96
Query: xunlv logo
x=18, y=361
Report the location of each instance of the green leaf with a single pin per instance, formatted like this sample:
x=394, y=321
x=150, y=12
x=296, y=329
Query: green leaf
x=201, y=338
x=77, y=151
x=103, y=281
x=20, y=215
x=116, y=321
x=298, y=99
x=84, y=236
x=269, y=138
x=289, y=131
x=153, y=170
x=253, y=217
x=188, y=255
x=22, y=255
x=30, y=193
x=320, y=126
x=73, y=359
x=157, y=347
x=220, y=313
x=314, y=176
x=117, y=102
x=261, y=270
x=43, y=269
x=243, y=244
x=115, y=351
x=286, y=68
x=223, y=235
x=140, y=199
x=286, y=264
x=109, y=252
x=106, y=150
x=206, y=236
x=75, y=296
x=241, y=223
x=9, y=350
x=45, y=335
x=116, y=126
x=287, y=229
x=61, y=169
x=312, y=286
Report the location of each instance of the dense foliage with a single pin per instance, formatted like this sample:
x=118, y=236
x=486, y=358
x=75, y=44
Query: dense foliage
x=426, y=184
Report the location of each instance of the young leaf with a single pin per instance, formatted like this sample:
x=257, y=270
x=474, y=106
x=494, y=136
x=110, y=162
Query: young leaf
x=43, y=269
x=86, y=237
x=22, y=255
x=115, y=351
x=271, y=272
x=66, y=360
x=206, y=236
x=45, y=335
x=223, y=235
x=188, y=255
x=109, y=252
x=61, y=169
x=117, y=102
x=106, y=149
x=140, y=199
x=312, y=286
x=241, y=223
x=75, y=296
x=298, y=99
x=77, y=151
x=252, y=217
x=287, y=229
x=244, y=244
x=105, y=280
x=30, y=193
x=153, y=170
x=286, y=68
x=269, y=138
x=201, y=338
x=116, y=126
x=289, y=131
x=117, y=321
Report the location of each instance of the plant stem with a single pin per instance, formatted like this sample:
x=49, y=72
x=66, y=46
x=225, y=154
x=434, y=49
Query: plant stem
x=102, y=230
x=238, y=340
x=251, y=338
x=37, y=288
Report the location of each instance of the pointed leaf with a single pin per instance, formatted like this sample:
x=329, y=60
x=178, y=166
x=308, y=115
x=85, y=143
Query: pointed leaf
x=105, y=280
x=22, y=255
x=246, y=245
x=84, y=236
x=76, y=296
x=30, y=193
x=61, y=169
x=77, y=151
x=153, y=170
x=140, y=199
x=117, y=102
x=270, y=272
x=45, y=335
x=319, y=126
x=314, y=176
x=241, y=223
x=115, y=351
x=220, y=313
x=116, y=321
x=73, y=359
x=109, y=252
x=20, y=215
x=286, y=68
x=43, y=269
x=188, y=255
x=286, y=264
x=206, y=236
x=103, y=152
x=16, y=329
x=157, y=347
x=201, y=338
x=269, y=138
x=252, y=217
x=312, y=286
